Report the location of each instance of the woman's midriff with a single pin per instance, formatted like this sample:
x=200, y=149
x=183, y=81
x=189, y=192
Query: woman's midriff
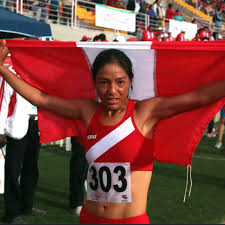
x=140, y=181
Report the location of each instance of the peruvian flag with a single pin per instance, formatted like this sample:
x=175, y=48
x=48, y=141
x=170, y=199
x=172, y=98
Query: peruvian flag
x=160, y=69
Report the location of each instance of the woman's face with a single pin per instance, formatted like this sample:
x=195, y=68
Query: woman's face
x=112, y=85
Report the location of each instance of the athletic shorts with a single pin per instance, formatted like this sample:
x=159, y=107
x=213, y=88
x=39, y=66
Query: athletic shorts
x=88, y=218
x=222, y=113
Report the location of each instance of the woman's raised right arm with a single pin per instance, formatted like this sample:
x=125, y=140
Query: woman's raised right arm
x=80, y=109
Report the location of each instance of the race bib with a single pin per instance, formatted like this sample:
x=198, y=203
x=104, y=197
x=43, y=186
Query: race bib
x=109, y=182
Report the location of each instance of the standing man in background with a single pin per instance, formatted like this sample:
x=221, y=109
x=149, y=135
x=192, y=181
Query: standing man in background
x=221, y=126
x=19, y=128
x=78, y=175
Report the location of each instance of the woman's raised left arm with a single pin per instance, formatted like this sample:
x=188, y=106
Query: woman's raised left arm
x=158, y=108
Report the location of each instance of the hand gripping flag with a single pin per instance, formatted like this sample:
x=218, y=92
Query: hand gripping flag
x=161, y=69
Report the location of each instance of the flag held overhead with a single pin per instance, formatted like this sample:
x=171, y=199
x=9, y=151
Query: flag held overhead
x=160, y=69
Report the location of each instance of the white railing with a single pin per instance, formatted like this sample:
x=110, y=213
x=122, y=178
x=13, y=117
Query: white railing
x=79, y=14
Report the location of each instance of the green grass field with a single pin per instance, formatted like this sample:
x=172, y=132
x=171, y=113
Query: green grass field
x=165, y=204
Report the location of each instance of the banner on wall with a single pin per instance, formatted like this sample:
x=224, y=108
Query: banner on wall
x=175, y=28
x=114, y=18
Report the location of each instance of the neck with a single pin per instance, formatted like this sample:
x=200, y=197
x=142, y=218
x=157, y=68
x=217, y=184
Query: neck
x=111, y=113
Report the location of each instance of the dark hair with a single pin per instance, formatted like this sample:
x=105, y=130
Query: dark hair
x=96, y=38
x=112, y=56
x=215, y=35
x=102, y=37
x=170, y=5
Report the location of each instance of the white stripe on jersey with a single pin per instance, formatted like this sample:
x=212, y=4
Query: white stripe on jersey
x=110, y=140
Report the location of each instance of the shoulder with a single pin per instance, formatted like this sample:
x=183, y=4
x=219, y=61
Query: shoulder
x=144, y=115
x=144, y=109
x=89, y=109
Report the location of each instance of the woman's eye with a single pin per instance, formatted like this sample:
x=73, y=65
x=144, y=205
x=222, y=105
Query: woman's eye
x=103, y=82
x=121, y=81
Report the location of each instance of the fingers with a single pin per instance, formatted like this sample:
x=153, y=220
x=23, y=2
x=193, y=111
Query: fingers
x=3, y=43
x=4, y=51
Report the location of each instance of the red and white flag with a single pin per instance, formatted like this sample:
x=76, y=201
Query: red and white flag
x=160, y=69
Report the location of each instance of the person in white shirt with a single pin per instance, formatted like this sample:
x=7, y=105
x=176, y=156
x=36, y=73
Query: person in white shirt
x=19, y=128
x=159, y=12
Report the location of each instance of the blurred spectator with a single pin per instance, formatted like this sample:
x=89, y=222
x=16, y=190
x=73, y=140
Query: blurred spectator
x=40, y=10
x=194, y=21
x=170, y=13
x=165, y=37
x=67, y=10
x=159, y=31
x=221, y=128
x=170, y=37
x=125, y=2
x=148, y=34
x=209, y=9
x=159, y=11
x=179, y=16
x=118, y=4
x=100, y=38
x=137, y=6
x=53, y=14
x=97, y=38
x=151, y=14
x=158, y=37
x=181, y=36
x=211, y=130
x=9, y=5
x=197, y=37
x=110, y=2
x=215, y=36
x=85, y=38
x=218, y=18
x=204, y=33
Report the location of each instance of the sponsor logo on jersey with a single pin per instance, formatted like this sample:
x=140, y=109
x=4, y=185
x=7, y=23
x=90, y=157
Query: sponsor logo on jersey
x=124, y=196
x=91, y=136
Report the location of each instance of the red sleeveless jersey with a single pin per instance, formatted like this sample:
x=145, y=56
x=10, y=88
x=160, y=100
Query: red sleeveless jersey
x=134, y=148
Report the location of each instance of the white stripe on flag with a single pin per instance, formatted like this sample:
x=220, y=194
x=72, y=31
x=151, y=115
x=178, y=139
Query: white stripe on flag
x=118, y=45
x=143, y=60
x=110, y=140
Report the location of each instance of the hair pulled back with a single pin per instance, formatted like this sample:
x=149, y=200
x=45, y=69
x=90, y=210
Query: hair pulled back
x=112, y=56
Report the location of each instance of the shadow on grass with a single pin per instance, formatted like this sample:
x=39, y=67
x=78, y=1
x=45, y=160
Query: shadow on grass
x=51, y=203
x=52, y=192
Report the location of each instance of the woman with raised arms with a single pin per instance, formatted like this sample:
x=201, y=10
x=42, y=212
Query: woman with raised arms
x=119, y=132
